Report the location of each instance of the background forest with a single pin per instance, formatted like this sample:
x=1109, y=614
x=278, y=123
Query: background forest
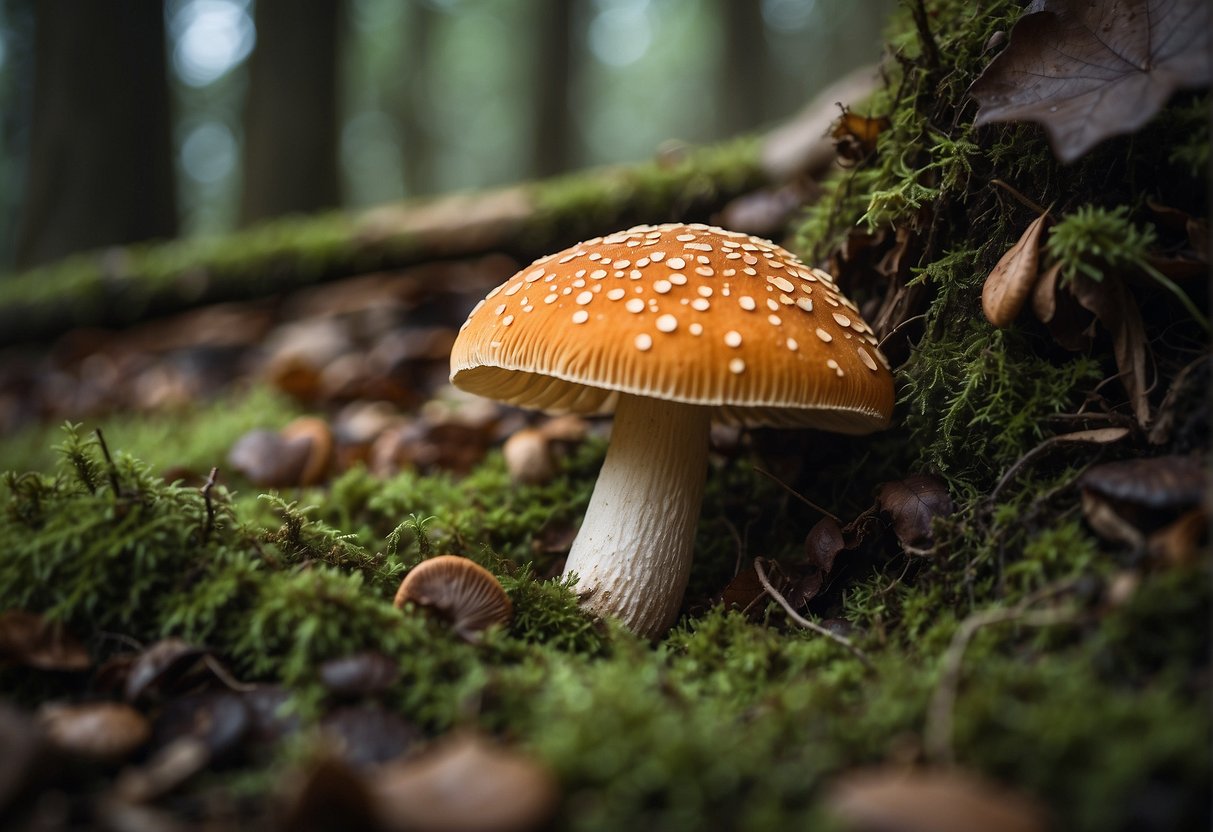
x=197, y=116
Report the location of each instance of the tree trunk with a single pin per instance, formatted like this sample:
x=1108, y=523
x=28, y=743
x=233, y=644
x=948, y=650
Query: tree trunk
x=745, y=68
x=100, y=165
x=416, y=144
x=551, y=141
x=291, y=113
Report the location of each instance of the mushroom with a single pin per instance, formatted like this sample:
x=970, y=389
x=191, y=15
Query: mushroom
x=669, y=326
x=460, y=591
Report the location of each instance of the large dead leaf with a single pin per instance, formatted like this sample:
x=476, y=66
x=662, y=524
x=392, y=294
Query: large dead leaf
x=1090, y=70
x=1013, y=277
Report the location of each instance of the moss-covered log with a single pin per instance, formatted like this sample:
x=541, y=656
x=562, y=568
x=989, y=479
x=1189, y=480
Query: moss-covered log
x=121, y=285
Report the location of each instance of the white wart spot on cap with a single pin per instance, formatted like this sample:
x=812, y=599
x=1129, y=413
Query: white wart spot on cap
x=580, y=316
x=667, y=323
x=635, y=305
x=644, y=342
x=866, y=358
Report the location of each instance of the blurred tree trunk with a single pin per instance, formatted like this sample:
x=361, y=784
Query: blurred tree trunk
x=745, y=67
x=551, y=142
x=415, y=138
x=291, y=112
x=100, y=164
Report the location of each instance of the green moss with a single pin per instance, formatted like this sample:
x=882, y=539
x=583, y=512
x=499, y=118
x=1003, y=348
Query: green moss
x=196, y=439
x=728, y=722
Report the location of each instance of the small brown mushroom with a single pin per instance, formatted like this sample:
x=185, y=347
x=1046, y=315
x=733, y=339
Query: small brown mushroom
x=528, y=457
x=460, y=591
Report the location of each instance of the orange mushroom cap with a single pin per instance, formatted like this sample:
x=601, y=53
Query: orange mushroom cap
x=685, y=313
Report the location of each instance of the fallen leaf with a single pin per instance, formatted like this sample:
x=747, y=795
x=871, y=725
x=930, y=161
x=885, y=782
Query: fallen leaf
x=1090, y=70
x=368, y=734
x=1114, y=305
x=158, y=668
x=1183, y=541
x=29, y=640
x=465, y=782
x=855, y=135
x=823, y=543
x=218, y=719
x=100, y=731
x=890, y=800
x=912, y=504
x=1013, y=277
x=1146, y=503
x=359, y=674
x=1160, y=482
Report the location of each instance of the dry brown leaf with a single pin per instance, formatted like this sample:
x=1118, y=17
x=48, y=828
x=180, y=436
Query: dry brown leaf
x=1116, y=308
x=1013, y=277
x=913, y=503
x=1044, y=296
x=855, y=135
x=1090, y=70
x=29, y=640
x=889, y=800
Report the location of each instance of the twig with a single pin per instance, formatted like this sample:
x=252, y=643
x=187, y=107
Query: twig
x=895, y=329
x=806, y=623
x=221, y=672
x=797, y=494
x=1087, y=437
x=110, y=470
x=937, y=733
x=210, y=508
x=1019, y=196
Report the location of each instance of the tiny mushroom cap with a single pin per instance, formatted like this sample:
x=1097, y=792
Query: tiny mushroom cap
x=669, y=327
x=460, y=591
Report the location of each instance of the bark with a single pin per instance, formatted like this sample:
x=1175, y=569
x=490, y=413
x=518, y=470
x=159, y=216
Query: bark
x=100, y=167
x=551, y=143
x=291, y=113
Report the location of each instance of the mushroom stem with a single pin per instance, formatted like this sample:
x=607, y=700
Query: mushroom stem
x=633, y=553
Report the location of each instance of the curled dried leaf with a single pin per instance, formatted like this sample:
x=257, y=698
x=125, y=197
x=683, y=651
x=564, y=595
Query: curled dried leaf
x=1013, y=278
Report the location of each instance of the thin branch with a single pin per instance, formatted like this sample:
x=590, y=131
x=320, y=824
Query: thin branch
x=1019, y=197
x=221, y=672
x=210, y=508
x=110, y=470
x=797, y=494
x=806, y=623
